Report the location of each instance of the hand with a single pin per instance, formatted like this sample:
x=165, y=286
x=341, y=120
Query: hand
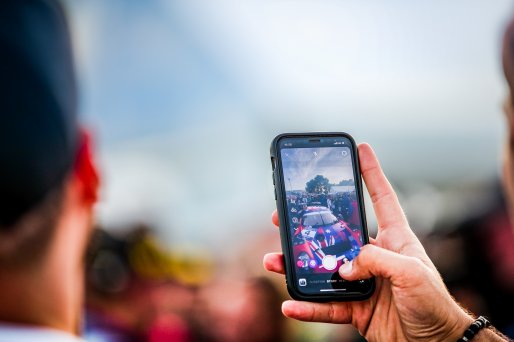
x=410, y=301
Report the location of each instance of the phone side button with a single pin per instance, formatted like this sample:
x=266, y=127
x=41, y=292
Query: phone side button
x=275, y=194
x=273, y=177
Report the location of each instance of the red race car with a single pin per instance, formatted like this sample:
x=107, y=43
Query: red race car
x=322, y=243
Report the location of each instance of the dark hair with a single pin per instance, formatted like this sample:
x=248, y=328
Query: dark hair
x=39, y=132
x=25, y=242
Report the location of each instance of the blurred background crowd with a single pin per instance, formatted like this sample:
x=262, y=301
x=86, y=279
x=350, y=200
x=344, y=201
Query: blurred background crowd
x=184, y=98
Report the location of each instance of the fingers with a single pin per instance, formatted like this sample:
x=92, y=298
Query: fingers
x=274, y=218
x=380, y=262
x=385, y=202
x=318, y=312
x=305, y=311
x=274, y=262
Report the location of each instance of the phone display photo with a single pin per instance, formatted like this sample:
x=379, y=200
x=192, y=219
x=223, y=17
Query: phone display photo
x=320, y=207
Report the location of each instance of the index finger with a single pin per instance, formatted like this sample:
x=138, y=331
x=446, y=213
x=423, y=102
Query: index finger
x=318, y=312
x=274, y=218
x=385, y=202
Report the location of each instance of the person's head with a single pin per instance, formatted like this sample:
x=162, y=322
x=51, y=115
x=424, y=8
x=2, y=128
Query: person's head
x=508, y=156
x=243, y=310
x=47, y=177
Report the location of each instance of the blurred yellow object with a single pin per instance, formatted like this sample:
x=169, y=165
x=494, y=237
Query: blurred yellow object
x=148, y=259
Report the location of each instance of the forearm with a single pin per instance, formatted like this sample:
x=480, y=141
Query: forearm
x=490, y=334
x=463, y=320
x=486, y=334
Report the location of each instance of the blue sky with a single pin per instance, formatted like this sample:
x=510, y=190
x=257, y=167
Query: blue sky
x=185, y=97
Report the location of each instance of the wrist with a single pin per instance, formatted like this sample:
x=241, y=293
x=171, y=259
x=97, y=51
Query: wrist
x=459, y=325
x=488, y=333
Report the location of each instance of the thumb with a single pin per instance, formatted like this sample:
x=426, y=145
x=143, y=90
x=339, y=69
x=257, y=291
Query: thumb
x=379, y=262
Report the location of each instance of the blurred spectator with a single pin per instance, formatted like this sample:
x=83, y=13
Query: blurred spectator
x=233, y=310
x=137, y=291
x=483, y=279
x=476, y=260
x=48, y=180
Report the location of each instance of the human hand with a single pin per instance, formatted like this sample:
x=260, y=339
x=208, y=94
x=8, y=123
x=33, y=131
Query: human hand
x=410, y=301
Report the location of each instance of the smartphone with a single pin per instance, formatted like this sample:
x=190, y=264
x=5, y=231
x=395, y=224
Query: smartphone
x=318, y=190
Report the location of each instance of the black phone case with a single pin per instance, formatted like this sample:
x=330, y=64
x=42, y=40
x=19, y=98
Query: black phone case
x=282, y=214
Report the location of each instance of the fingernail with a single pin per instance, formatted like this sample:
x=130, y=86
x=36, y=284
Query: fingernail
x=346, y=269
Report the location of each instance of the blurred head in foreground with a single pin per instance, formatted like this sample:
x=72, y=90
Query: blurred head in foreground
x=48, y=182
x=508, y=156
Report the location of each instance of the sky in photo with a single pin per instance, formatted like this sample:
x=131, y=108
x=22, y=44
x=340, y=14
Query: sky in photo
x=303, y=164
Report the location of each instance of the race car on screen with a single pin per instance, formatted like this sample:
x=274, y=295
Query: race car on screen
x=322, y=243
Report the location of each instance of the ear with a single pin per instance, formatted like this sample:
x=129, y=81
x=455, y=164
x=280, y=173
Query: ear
x=85, y=170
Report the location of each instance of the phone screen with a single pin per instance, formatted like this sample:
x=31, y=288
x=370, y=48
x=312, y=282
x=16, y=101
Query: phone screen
x=324, y=216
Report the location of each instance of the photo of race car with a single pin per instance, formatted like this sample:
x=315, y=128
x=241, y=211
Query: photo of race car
x=323, y=215
x=322, y=242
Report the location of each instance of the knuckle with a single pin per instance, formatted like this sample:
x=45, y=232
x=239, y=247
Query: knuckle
x=379, y=196
x=364, y=253
x=363, y=259
x=312, y=316
x=370, y=169
x=331, y=313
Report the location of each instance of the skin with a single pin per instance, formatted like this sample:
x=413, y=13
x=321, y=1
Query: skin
x=411, y=301
x=49, y=292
